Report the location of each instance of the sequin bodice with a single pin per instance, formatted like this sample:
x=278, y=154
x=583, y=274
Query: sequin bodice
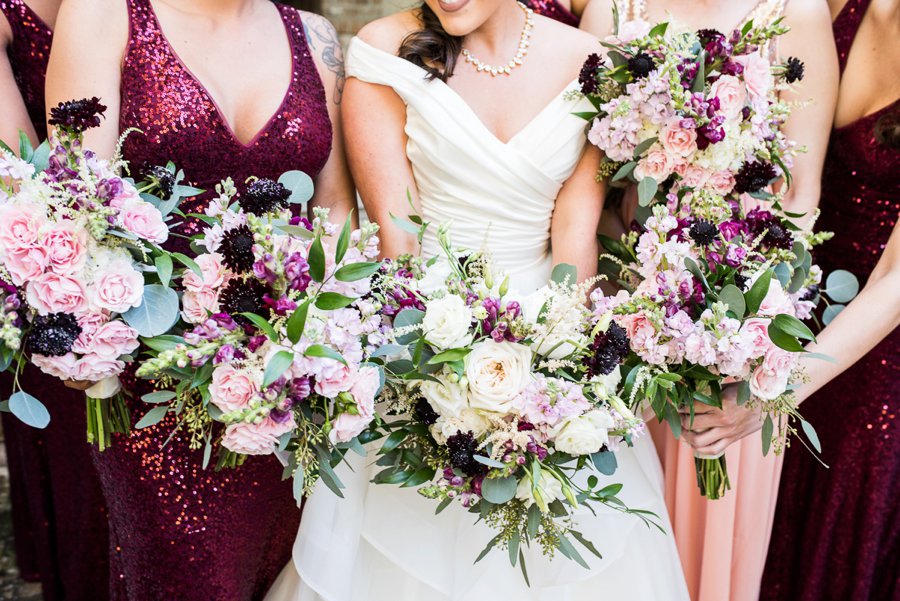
x=28, y=56
x=861, y=180
x=554, y=10
x=181, y=122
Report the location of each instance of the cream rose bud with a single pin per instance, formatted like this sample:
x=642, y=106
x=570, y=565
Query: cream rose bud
x=549, y=488
x=606, y=386
x=445, y=397
x=447, y=322
x=584, y=435
x=497, y=372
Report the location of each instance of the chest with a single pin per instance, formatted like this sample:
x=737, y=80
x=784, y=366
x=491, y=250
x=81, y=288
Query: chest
x=723, y=16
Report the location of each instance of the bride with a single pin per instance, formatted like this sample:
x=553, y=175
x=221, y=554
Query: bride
x=464, y=105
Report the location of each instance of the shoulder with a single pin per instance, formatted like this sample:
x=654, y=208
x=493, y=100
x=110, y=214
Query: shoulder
x=313, y=22
x=83, y=16
x=599, y=17
x=570, y=45
x=807, y=15
x=321, y=35
x=388, y=33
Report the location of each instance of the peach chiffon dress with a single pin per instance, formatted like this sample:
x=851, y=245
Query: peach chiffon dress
x=722, y=543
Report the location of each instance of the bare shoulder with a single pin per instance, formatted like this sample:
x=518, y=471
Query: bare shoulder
x=599, y=17
x=321, y=34
x=87, y=17
x=570, y=45
x=389, y=32
x=808, y=15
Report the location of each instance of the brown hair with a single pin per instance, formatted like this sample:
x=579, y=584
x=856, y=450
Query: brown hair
x=432, y=48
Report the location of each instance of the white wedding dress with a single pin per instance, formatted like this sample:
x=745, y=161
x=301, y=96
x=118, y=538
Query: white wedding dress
x=384, y=543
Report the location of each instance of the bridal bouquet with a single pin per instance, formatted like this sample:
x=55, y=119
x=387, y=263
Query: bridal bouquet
x=508, y=403
x=710, y=296
x=693, y=113
x=279, y=318
x=79, y=245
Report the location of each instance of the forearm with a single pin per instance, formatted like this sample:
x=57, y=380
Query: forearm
x=574, y=244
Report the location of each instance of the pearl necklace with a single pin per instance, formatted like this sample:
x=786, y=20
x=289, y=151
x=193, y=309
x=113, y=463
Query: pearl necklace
x=524, y=43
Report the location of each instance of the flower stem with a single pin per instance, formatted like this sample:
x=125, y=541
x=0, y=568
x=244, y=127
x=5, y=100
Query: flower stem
x=712, y=477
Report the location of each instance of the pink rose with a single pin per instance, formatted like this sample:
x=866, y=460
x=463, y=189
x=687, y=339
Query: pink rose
x=110, y=340
x=232, y=389
x=639, y=327
x=335, y=381
x=197, y=306
x=364, y=388
x=66, y=245
x=118, y=287
x=144, y=221
x=347, y=426
x=677, y=140
x=24, y=264
x=694, y=177
x=721, y=182
x=255, y=439
x=776, y=301
x=756, y=332
x=732, y=95
x=770, y=379
x=20, y=225
x=129, y=194
x=657, y=164
x=93, y=368
x=757, y=73
x=629, y=30
x=54, y=293
x=58, y=367
x=212, y=273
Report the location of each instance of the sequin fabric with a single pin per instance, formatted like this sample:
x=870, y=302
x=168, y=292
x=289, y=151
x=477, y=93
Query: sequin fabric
x=182, y=532
x=837, y=530
x=28, y=56
x=554, y=10
x=58, y=514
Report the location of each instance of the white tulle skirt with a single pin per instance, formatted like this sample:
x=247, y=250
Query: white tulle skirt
x=384, y=543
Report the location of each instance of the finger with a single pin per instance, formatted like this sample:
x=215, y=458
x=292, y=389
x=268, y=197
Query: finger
x=715, y=449
x=708, y=438
x=707, y=421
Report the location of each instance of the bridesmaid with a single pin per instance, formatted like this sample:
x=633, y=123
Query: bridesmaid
x=222, y=88
x=567, y=12
x=723, y=543
x=59, y=518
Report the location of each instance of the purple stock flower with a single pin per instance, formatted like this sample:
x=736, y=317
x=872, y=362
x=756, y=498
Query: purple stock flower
x=280, y=306
x=280, y=417
x=301, y=221
x=711, y=133
x=255, y=342
x=296, y=270
x=715, y=44
x=225, y=354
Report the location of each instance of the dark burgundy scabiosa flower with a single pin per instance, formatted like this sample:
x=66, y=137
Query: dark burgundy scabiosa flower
x=53, y=335
x=244, y=296
x=753, y=177
x=640, y=65
x=811, y=293
x=77, y=115
x=740, y=281
x=703, y=232
x=462, y=447
x=264, y=196
x=237, y=249
x=793, y=69
x=776, y=234
x=163, y=179
x=588, y=76
x=608, y=350
x=424, y=412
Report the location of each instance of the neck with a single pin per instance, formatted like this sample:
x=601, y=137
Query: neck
x=216, y=8
x=499, y=33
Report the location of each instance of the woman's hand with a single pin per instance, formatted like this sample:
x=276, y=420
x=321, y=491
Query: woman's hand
x=714, y=430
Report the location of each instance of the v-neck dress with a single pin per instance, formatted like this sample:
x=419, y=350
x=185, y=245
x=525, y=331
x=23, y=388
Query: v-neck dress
x=180, y=531
x=384, y=543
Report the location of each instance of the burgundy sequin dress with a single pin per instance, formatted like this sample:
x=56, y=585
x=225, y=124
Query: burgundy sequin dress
x=554, y=10
x=179, y=531
x=59, y=518
x=837, y=530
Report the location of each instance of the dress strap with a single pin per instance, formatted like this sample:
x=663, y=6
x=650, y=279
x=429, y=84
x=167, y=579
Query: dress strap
x=846, y=25
x=22, y=19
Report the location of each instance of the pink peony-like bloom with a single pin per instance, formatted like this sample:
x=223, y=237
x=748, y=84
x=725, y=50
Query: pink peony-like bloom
x=692, y=176
x=658, y=164
x=144, y=221
x=212, y=273
x=336, y=380
x=770, y=379
x=24, y=264
x=348, y=426
x=93, y=368
x=678, y=140
x=757, y=73
x=756, y=332
x=118, y=287
x=128, y=194
x=66, y=246
x=777, y=301
x=58, y=367
x=232, y=389
x=20, y=225
x=732, y=95
x=364, y=389
x=111, y=340
x=196, y=307
x=55, y=293
x=255, y=439
x=629, y=30
x=89, y=322
x=721, y=182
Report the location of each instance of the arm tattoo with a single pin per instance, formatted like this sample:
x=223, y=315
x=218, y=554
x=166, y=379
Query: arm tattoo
x=323, y=40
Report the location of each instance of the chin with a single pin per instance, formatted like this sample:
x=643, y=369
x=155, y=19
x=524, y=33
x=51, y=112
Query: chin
x=461, y=17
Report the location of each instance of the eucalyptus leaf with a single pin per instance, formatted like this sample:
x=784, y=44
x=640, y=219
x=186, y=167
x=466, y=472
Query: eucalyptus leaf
x=732, y=296
x=29, y=410
x=164, y=268
x=563, y=273
x=605, y=462
x=300, y=185
x=831, y=312
x=162, y=396
x=647, y=189
x=624, y=171
x=841, y=286
x=499, y=490
x=156, y=314
x=152, y=417
x=811, y=435
x=767, y=430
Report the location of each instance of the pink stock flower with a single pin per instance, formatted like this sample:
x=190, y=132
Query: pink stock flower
x=770, y=379
x=54, y=293
x=255, y=439
x=66, y=246
x=232, y=389
x=144, y=221
x=678, y=140
x=118, y=287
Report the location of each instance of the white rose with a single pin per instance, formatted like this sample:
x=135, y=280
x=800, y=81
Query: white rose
x=445, y=397
x=105, y=388
x=497, y=373
x=584, y=435
x=606, y=386
x=549, y=489
x=435, y=277
x=468, y=420
x=447, y=322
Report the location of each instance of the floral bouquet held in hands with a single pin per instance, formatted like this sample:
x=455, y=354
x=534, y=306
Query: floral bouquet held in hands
x=507, y=406
x=78, y=249
x=278, y=321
